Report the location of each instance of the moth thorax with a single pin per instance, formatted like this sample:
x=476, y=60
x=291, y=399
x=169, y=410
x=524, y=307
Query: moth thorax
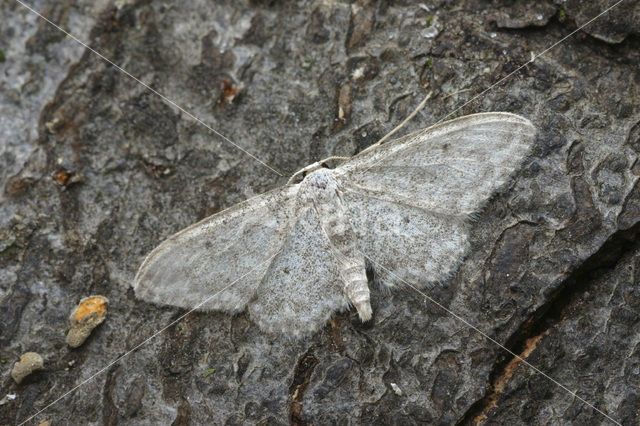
x=322, y=183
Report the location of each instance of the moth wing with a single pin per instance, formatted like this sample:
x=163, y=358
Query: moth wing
x=302, y=287
x=450, y=168
x=233, y=246
x=410, y=200
x=404, y=242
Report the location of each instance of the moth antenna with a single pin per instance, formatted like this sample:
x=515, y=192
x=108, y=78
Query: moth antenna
x=334, y=158
x=315, y=166
x=404, y=122
x=456, y=93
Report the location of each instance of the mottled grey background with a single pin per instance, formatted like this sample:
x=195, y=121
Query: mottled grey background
x=553, y=269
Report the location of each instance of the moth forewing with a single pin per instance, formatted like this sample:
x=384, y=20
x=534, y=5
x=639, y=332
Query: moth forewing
x=207, y=256
x=448, y=168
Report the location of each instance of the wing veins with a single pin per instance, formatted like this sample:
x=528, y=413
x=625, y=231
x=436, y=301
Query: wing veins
x=288, y=230
x=423, y=167
x=369, y=193
x=214, y=220
x=431, y=133
x=463, y=159
x=235, y=242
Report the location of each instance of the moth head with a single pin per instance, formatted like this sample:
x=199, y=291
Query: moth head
x=320, y=179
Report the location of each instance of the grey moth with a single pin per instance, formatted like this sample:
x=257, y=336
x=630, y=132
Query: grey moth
x=295, y=255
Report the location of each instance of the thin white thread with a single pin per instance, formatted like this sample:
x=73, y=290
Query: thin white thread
x=486, y=336
x=144, y=342
x=266, y=165
x=340, y=258
x=146, y=86
x=534, y=56
x=507, y=76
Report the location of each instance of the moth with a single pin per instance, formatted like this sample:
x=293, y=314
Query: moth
x=297, y=254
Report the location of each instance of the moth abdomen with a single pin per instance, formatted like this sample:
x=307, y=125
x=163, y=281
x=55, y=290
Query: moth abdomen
x=356, y=286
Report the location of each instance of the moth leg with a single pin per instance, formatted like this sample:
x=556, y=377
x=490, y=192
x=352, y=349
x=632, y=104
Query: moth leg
x=354, y=278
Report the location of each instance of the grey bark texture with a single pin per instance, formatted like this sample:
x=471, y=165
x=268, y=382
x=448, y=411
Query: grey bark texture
x=96, y=171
